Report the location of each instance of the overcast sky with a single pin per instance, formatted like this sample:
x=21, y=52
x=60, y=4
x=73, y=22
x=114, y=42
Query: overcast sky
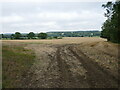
x=51, y=16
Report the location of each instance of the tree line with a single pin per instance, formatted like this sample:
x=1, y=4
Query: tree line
x=75, y=34
x=30, y=35
x=111, y=27
x=51, y=35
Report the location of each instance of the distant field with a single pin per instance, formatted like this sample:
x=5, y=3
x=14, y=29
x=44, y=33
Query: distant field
x=71, y=62
x=65, y=40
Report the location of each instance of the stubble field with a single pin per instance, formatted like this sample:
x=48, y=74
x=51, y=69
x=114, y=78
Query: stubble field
x=82, y=62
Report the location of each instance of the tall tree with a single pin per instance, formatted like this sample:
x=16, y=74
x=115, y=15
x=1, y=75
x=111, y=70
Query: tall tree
x=12, y=36
x=31, y=35
x=111, y=27
x=42, y=35
x=17, y=35
x=2, y=36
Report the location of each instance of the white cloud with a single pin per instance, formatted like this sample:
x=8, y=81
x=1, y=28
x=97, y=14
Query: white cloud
x=52, y=24
x=51, y=16
x=69, y=16
x=11, y=18
x=78, y=23
x=56, y=21
x=58, y=15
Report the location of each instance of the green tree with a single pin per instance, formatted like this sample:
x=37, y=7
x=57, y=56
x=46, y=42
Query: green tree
x=31, y=35
x=42, y=35
x=17, y=35
x=12, y=36
x=2, y=36
x=111, y=27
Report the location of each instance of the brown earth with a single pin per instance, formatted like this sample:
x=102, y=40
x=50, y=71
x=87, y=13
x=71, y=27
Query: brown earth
x=72, y=63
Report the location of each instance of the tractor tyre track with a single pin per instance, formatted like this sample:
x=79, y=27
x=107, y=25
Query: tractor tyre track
x=96, y=76
x=65, y=76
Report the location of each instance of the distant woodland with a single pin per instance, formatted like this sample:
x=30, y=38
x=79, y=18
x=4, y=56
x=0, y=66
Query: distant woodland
x=51, y=35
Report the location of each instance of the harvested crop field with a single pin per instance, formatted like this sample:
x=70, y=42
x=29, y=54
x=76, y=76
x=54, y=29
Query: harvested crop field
x=84, y=62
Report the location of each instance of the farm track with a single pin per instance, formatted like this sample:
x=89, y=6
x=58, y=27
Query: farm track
x=58, y=72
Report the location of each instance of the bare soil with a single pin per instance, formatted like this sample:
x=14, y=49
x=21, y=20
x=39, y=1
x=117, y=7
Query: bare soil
x=72, y=63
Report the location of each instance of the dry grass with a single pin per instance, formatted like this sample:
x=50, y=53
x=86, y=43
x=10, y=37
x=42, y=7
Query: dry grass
x=65, y=40
x=15, y=62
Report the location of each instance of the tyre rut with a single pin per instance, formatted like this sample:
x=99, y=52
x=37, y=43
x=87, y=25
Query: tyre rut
x=96, y=76
x=66, y=79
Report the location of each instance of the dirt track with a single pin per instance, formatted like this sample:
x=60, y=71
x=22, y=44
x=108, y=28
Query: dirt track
x=66, y=66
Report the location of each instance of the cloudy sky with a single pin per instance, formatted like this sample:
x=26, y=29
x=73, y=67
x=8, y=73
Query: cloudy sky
x=51, y=16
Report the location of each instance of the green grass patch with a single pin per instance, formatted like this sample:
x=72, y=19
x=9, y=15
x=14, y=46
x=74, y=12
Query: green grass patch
x=16, y=61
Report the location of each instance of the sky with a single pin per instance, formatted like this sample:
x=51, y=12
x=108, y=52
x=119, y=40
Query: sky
x=46, y=16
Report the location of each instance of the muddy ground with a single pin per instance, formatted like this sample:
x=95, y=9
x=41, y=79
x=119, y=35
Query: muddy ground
x=81, y=64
